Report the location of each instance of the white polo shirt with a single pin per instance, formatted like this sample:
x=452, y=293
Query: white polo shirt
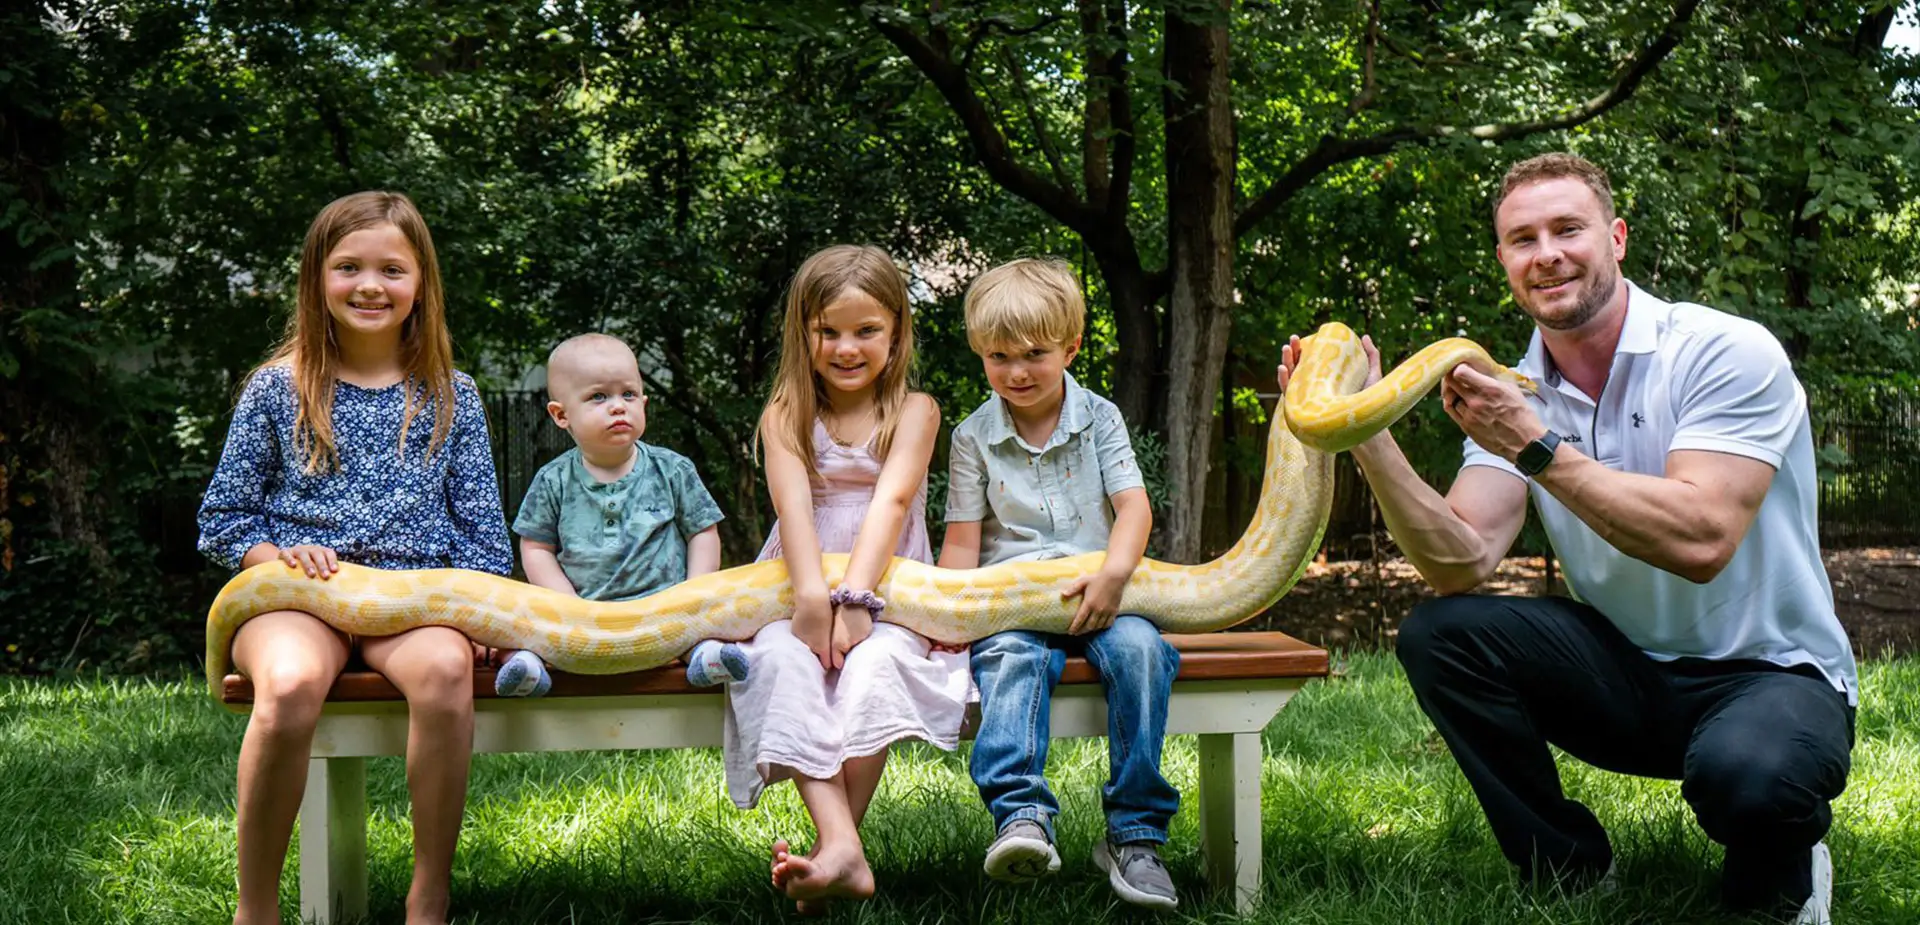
x=1687, y=377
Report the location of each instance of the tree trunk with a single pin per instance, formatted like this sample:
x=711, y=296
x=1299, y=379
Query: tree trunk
x=1137, y=368
x=49, y=446
x=1200, y=190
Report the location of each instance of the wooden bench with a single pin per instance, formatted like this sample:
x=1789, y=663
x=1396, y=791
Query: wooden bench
x=1231, y=685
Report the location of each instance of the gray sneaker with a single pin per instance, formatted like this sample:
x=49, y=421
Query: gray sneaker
x=1137, y=874
x=1022, y=853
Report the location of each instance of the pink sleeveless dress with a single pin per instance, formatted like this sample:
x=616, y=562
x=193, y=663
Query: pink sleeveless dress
x=793, y=718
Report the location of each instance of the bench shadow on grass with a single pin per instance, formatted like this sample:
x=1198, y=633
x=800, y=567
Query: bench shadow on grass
x=588, y=838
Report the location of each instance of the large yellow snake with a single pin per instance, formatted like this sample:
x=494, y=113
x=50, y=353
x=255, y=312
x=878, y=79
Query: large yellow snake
x=954, y=606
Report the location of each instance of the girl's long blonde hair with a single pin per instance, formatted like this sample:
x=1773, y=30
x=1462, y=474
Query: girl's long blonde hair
x=309, y=350
x=798, y=395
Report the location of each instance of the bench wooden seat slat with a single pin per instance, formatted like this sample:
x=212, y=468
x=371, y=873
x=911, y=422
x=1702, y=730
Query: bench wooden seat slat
x=1205, y=657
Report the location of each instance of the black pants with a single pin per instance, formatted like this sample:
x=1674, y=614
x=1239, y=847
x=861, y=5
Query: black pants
x=1761, y=751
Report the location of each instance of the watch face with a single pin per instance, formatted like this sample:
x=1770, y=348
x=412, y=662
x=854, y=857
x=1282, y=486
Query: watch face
x=1534, y=457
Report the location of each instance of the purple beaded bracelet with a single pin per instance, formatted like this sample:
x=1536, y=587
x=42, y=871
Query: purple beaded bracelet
x=844, y=595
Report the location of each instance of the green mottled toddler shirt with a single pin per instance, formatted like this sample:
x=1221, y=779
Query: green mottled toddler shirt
x=624, y=539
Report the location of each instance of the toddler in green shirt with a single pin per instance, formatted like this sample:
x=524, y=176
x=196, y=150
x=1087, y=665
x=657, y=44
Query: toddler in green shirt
x=613, y=519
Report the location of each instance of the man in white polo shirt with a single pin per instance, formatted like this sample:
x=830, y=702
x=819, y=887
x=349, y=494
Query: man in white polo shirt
x=1669, y=456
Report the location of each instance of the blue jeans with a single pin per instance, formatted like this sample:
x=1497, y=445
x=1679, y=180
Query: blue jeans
x=1016, y=672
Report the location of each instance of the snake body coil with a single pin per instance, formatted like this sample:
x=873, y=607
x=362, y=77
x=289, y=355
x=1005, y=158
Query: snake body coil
x=953, y=606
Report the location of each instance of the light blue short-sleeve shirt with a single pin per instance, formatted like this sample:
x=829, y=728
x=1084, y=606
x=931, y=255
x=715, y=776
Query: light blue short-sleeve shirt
x=623, y=539
x=1046, y=502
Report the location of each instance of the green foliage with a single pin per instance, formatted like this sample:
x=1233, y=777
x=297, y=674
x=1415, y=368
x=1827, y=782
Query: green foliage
x=65, y=613
x=1150, y=454
x=660, y=172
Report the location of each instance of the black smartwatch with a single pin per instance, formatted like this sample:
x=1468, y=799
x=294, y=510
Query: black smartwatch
x=1535, y=456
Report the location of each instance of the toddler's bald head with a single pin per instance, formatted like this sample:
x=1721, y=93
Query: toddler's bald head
x=589, y=358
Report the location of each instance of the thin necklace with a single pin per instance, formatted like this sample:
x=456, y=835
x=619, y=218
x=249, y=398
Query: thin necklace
x=834, y=435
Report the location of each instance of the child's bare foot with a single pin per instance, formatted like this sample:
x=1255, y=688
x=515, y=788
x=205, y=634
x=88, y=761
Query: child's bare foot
x=779, y=867
x=782, y=873
x=833, y=872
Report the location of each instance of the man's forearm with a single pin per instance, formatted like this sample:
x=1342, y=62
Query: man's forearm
x=1664, y=522
x=1443, y=548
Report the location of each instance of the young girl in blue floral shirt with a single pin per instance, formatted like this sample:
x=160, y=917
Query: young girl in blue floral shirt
x=356, y=440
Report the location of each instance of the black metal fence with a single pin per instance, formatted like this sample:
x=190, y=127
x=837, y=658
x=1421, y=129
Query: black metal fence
x=1868, y=440
x=524, y=439
x=1869, y=443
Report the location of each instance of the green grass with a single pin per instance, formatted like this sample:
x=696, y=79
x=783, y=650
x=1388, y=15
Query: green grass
x=118, y=801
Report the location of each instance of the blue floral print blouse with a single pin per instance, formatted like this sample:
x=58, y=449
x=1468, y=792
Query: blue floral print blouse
x=377, y=508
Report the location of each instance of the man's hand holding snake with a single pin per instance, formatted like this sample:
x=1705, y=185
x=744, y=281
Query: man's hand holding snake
x=1497, y=415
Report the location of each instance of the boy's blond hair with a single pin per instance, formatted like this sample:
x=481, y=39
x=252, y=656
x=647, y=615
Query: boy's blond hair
x=1028, y=302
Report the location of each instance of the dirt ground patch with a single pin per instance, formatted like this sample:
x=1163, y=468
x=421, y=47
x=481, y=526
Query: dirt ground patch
x=1360, y=604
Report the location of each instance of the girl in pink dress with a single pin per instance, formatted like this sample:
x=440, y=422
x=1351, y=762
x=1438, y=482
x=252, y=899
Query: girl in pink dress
x=847, y=446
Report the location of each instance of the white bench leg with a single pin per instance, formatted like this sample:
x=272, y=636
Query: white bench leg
x=333, y=841
x=1230, y=814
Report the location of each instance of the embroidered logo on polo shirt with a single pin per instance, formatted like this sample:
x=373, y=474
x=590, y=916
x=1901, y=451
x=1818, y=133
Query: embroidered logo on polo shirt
x=1571, y=438
x=1639, y=419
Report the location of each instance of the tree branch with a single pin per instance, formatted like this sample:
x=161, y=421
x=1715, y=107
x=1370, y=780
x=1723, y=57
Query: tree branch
x=1331, y=150
x=988, y=25
x=1120, y=103
x=929, y=54
x=1097, y=118
x=1422, y=59
x=1040, y=133
x=338, y=132
x=1367, y=87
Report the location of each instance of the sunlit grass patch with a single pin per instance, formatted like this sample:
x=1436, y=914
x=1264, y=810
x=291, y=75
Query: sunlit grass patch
x=119, y=797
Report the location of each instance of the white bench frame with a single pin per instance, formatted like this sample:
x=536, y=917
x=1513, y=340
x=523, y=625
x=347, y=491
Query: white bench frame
x=1228, y=717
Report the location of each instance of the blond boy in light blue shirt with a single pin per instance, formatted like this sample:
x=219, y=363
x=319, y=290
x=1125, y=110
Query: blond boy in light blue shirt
x=1044, y=470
